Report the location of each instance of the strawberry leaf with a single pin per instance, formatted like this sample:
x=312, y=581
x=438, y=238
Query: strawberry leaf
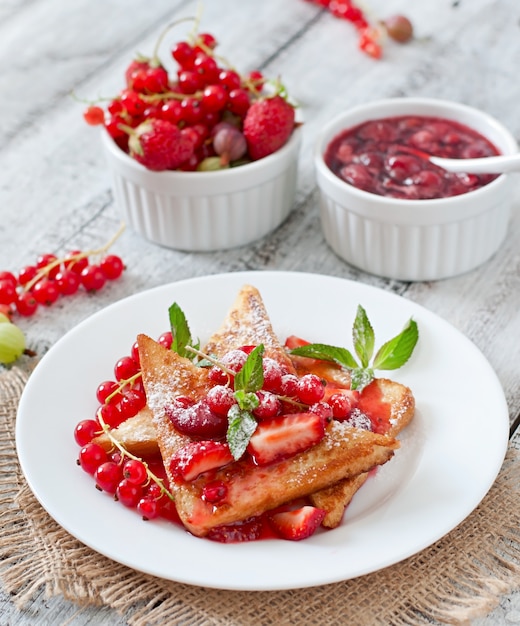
x=251, y=376
x=241, y=426
x=394, y=353
x=363, y=337
x=180, y=330
x=324, y=352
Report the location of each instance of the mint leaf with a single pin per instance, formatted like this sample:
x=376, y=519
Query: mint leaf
x=361, y=377
x=180, y=330
x=324, y=352
x=394, y=353
x=241, y=426
x=247, y=400
x=251, y=376
x=363, y=337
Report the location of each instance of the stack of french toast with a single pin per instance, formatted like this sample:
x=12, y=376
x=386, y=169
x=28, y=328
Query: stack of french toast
x=325, y=475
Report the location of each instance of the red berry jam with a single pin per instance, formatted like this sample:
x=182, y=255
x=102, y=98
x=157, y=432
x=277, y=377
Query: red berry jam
x=388, y=157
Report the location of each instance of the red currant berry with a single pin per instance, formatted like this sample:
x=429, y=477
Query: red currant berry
x=85, y=431
x=106, y=389
x=8, y=293
x=155, y=80
x=135, y=472
x=341, y=406
x=207, y=40
x=10, y=277
x=238, y=102
x=183, y=53
x=132, y=402
x=74, y=264
x=68, y=282
x=133, y=103
x=134, y=353
x=110, y=414
x=91, y=456
x=289, y=386
x=166, y=339
x=44, y=260
x=270, y=405
x=112, y=266
x=125, y=368
x=322, y=409
x=94, y=115
x=27, y=274
x=108, y=476
x=45, y=292
x=26, y=304
x=214, y=98
x=148, y=508
x=190, y=82
x=207, y=67
x=191, y=110
x=310, y=389
x=220, y=399
x=93, y=278
x=229, y=79
x=256, y=79
x=128, y=493
x=171, y=111
x=272, y=375
x=218, y=376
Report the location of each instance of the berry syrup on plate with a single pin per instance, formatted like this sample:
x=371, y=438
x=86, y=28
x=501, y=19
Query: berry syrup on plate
x=389, y=157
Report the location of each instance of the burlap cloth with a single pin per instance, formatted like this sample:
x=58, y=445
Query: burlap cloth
x=459, y=578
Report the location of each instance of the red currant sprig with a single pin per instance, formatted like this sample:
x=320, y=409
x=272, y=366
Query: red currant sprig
x=397, y=27
x=52, y=277
x=136, y=475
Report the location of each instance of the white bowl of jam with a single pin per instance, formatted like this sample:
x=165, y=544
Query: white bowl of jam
x=388, y=211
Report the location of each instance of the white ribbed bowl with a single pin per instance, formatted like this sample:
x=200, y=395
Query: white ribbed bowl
x=414, y=239
x=205, y=211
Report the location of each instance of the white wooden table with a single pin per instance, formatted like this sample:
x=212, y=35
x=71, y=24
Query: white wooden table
x=55, y=192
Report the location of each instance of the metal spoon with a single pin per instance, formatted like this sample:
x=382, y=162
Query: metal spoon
x=486, y=165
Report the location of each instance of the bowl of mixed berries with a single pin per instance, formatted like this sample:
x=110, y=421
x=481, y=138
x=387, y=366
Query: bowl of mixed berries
x=389, y=210
x=201, y=157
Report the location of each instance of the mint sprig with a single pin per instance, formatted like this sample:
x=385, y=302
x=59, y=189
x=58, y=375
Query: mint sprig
x=241, y=421
x=391, y=355
x=181, y=334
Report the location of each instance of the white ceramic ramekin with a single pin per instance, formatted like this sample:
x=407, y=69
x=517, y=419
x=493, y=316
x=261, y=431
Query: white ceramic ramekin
x=414, y=239
x=205, y=211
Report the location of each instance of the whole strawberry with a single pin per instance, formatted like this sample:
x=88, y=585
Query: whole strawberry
x=159, y=145
x=267, y=126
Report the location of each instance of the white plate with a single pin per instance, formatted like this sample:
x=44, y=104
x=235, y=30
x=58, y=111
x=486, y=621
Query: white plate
x=450, y=456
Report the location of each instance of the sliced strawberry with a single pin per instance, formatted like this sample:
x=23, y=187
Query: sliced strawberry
x=282, y=437
x=198, y=457
x=293, y=342
x=298, y=523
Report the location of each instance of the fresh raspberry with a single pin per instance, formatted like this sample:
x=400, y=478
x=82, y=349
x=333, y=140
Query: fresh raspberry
x=159, y=145
x=268, y=125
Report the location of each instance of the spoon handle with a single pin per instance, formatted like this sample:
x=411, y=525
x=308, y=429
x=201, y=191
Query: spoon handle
x=487, y=165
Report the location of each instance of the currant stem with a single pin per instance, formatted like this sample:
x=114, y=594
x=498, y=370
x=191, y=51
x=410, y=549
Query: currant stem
x=158, y=481
x=122, y=384
x=74, y=257
x=209, y=358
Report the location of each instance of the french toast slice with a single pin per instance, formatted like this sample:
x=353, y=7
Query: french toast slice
x=248, y=323
x=399, y=403
x=137, y=435
x=251, y=489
